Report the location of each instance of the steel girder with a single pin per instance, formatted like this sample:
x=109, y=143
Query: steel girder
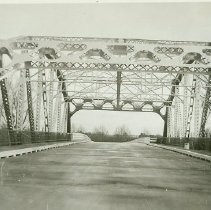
x=118, y=53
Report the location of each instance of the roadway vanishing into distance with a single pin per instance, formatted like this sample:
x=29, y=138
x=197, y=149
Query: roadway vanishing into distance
x=105, y=176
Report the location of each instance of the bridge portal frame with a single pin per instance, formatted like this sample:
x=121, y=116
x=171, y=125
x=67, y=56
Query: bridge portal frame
x=122, y=56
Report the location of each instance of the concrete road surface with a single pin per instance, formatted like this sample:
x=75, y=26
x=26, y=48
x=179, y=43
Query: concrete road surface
x=105, y=176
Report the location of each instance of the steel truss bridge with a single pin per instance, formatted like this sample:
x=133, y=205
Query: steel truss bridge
x=51, y=78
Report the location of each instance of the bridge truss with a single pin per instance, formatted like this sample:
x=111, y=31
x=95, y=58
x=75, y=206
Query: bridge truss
x=51, y=78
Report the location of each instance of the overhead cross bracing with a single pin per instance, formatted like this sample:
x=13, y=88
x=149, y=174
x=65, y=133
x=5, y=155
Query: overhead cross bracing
x=66, y=74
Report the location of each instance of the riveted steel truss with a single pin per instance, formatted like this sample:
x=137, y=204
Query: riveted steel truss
x=170, y=78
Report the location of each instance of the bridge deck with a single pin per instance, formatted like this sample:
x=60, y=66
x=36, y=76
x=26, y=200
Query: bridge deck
x=105, y=176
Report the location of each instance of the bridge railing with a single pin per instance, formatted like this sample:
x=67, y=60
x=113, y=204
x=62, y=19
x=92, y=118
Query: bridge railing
x=194, y=143
x=27, y=137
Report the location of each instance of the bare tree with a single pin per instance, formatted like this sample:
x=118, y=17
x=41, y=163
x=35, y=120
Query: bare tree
x=80, y=129
x=122, y=130
x=208, y=132
x=101, y=130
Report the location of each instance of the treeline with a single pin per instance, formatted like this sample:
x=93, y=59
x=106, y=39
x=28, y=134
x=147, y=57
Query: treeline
x=100, y=134
x=149, y=135
x=102, y=137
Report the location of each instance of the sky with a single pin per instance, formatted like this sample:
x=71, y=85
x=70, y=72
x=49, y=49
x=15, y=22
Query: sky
x=171, y=21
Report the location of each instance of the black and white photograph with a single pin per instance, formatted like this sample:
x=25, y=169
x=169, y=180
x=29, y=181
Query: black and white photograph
x=105, y=105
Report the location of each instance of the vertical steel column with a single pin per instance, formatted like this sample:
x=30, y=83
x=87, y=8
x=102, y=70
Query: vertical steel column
x=55, y=108
x=38, y=100
x=21, y=94
x=30, y=102
x=8, y=115
x=168, y=121
x=179, y=114
x=21, y=105
x=59, y=101
x=44, y=94
x=6, y=105
x=190, y=111
x=1, y=108
x=68, y=119
x=59, y=116
x=197, y=109
x=172, y=121
x=165, y=129
x=50, y=102
x=185, y=105
x=65, y=119
x=63, y=123
x=206, y=107
x=176, y=112
x=119, y=81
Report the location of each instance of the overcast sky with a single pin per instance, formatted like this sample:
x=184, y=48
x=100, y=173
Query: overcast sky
x=172, y=21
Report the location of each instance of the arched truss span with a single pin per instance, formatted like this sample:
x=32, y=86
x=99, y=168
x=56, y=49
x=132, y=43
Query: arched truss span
x=170, y=78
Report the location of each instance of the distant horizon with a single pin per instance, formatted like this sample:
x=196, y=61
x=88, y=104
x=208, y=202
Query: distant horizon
x=96, y=118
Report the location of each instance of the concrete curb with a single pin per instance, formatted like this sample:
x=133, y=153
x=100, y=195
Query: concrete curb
x=19, y=152
x=184, y=152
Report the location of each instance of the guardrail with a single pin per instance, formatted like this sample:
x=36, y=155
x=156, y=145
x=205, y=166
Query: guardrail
x=26, y=137
x=194, y=143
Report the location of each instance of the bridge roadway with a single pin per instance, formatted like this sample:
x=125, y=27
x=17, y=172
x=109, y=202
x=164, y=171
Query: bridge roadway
x=105, y=176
